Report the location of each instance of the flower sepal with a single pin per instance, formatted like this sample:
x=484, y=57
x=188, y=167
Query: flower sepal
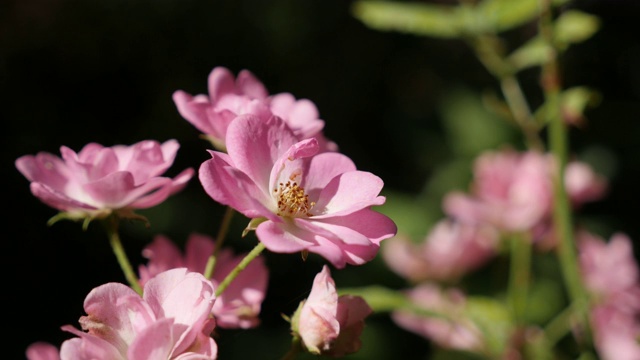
x=253, y=225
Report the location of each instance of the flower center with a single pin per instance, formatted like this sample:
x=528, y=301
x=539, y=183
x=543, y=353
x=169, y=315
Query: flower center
x=292, y=200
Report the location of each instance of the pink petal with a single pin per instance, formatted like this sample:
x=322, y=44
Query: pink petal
x=163, y=255
x=372, y=224
x=103, y=305
x=117, y=190
x=154, y=342
x=322, y=169
x=228, y=186
x=197, y=252
x=194, y=110
x=284, y=237
x=239, y=306
x=58, y=200
x=42, y=351
x=249, y=85
x=88, y=347
x=156, y=197
x=45, y=168
x=256, y=145
x=348, y=193
x=220, y=82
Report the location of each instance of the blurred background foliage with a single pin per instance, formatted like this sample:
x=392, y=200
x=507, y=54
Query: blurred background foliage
x=410, y=109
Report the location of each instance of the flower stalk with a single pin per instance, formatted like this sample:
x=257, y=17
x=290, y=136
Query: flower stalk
x=241, y=266
x=222, y=233
x=519, y=275
x=111, y=223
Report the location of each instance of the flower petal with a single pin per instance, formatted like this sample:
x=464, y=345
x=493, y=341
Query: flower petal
x=348, y=193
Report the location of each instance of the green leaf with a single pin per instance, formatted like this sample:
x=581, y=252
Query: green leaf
x=534, y=52
x=507, y=14
x=413, y=18
x=493, y=319
x=573, y=103
x=574, y=26
x=382, y=299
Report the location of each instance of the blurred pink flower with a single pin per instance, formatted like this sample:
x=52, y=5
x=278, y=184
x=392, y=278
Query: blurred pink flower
x=513, y=191
x=303, y=200
x=42, y=351
x=583, y=184
x=449, y=330
x=330, y=324
x=616, y=333
x=609, y=270
x=171, y=321
x=99, y=180
x=449, y=251
x=229, y=98
x=239, y=305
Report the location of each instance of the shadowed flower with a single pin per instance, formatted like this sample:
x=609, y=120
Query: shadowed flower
x=246, y=95
x=100, y=180
x=616, y=333
x=513, y=191
x=329, y=324
x=609, y=270
x=449, y=251
x=171, y=321
x=299, y=199
x=42, y=351
x=449, y=330
x=239, y=305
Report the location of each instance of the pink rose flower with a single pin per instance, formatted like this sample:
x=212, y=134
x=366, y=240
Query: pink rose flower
x=305, y=200
x=99, y=180
x=510, y=191
x=42, y=351
x=330, y=324
x=170, y=321
x=615, y=333
x=449, y=251
x=609, y=270
x=239, y=305
x=583, y=184
x=229, y=98
x=453, y=330
x=513, y=191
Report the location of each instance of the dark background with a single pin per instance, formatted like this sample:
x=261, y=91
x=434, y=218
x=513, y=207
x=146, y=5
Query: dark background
x=74, y=72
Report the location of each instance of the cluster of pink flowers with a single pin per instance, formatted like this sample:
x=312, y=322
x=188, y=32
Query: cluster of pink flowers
x=274, y=166
x=511, y=194
x=612, y=277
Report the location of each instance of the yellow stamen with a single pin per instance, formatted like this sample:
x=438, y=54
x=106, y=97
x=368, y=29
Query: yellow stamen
x=292, y=200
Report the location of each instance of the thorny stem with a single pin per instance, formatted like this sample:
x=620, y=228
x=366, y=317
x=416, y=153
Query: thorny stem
x=222, y=233
x=111, y=223
x=241, y=266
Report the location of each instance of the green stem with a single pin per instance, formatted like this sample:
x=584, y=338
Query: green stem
x=559, y=147
x=488, y=54
x=519, y=275
x=111, y=224
x=296, y=347
x=562, y=216
x=222, y=233
x=559, y=326
x=243, y=264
